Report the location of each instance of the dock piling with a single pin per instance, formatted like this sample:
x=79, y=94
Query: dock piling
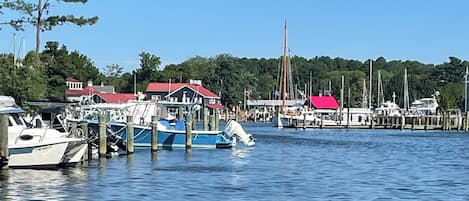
x=217, y=120
x=154, y=133
x=189, y=132
x=130, y=135
x=466, y=128
x=304, y=121
x=102, y=136
x=4, y=141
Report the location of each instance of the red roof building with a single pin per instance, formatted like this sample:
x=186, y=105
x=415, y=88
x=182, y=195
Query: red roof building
x=173, y=87
x=113, y=97
x=324, y=102
x=192, y=92
x=100, y=94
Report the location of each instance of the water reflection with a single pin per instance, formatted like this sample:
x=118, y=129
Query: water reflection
x=188, y=154
x=154, y=156
x=44, y=184
x=130, y=160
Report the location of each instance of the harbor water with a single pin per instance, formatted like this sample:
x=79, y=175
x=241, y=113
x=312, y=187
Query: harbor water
x=285, y=164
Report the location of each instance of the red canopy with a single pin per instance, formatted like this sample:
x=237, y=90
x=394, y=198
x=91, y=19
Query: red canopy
x=324, y=102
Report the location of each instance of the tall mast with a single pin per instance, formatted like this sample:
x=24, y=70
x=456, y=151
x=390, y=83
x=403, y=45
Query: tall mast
x=284, y=81
x=465, y=89
x=364, y=95
x=370, y=99
x=380, y=98
x=406, y=92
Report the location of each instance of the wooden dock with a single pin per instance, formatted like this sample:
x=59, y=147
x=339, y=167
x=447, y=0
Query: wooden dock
x=429, y=122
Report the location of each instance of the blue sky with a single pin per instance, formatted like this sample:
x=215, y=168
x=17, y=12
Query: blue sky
x=425, y=30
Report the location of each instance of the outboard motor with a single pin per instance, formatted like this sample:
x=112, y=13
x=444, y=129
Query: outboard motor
x=234, y=129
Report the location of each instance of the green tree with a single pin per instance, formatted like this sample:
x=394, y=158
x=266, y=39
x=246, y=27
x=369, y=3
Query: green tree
x=39, y=15
x=148, y=71
x=113, y=71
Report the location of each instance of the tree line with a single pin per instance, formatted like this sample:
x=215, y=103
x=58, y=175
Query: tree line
x=42, y=76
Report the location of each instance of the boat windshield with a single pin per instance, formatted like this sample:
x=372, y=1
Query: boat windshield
x=17, y=120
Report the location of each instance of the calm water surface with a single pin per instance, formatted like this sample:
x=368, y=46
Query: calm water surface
x=286, y=164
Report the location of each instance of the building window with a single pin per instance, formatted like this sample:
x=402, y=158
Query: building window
x=155, y=97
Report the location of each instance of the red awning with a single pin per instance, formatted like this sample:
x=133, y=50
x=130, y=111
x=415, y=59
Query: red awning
x=324, y=102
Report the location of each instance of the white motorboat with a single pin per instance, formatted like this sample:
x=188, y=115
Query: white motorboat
x=38, y=147
x=388, y=109
x=424, y=106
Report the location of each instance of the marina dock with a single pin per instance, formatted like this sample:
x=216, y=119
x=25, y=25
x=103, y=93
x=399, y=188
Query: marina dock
x=430, y=122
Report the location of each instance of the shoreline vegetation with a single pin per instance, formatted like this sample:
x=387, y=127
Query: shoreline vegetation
x=31, y=78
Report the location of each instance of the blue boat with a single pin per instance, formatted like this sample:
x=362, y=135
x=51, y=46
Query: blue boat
x=168, y=136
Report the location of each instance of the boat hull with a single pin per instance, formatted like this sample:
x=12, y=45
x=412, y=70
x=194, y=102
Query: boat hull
x=171, y=138
x=67, y=152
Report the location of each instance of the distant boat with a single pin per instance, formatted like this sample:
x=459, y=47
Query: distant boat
x=286, y=114
x=388, y=109
x=424, y=106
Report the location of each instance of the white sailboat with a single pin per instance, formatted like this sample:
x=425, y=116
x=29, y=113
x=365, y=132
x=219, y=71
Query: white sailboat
x=287, y=113
x=386, y=108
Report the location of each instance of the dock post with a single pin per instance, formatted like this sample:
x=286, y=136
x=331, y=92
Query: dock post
x=4, y=141
x=426, y=122
x=304, y=121
x=217, y=120
x=444, y=121
x=189, y=132
x=206, y=115
x=448, y=121
x=154, y=133
x=322, y=121
x=102, y=136
x=130, y=135
x=413, y=122
x=402, y=122
x=466, y=128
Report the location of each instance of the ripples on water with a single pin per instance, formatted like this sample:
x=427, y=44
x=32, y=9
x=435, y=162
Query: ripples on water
x=286, y=164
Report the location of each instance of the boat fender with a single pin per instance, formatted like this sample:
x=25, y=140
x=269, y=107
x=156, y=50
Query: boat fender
x=26, y=137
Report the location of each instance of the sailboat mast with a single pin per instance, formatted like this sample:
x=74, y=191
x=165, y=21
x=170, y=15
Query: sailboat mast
x=380, y=90
x=370, y=99
x=406, y=92
x=284, y=81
